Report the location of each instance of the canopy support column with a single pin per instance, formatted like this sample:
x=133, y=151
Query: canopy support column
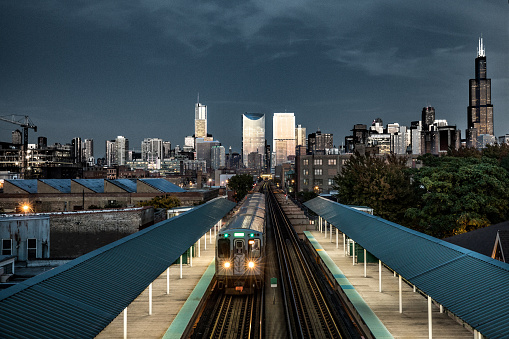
x=337, y=238
x=353, y=253
x=168, y=280
x=365, y=264
x=125, y=323
x=400, y=296
x=380, y=276
x=430, y=323
x=181, y=267
x=150, y=299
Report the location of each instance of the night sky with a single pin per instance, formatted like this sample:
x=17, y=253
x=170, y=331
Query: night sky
x=99, y=69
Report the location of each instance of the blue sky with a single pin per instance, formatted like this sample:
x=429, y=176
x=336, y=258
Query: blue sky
x=98, y=69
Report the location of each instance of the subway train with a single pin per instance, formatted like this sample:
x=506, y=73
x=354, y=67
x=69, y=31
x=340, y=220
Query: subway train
x=240, y=248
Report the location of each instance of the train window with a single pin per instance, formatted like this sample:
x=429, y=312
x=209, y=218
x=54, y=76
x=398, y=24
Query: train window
x=223, y=248
x=254, y=248
x=239, y=246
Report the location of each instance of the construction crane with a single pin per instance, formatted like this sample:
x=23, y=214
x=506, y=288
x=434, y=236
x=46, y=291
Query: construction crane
x=26, y=123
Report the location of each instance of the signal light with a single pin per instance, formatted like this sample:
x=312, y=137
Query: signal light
x=226, y=235
x=251, y=235
x=251, y=264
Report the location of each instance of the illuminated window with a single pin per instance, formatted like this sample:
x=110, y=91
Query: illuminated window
x=318, y=162
x=305, y=162
x=332, y=162
x=318, y=171
x=305, y=172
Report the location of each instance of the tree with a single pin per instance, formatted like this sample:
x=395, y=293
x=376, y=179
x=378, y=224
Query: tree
x=165, y=201
x=382, y=183
x=240, y=184
x=459, y=194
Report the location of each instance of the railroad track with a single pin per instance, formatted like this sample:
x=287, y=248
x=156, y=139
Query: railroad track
x=230, y=316
x=308, y=312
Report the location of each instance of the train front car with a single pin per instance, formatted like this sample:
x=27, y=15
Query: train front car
x=240, y=248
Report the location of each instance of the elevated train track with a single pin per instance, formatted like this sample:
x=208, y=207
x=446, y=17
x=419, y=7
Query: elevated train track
x=309, y=311
x=310, y=308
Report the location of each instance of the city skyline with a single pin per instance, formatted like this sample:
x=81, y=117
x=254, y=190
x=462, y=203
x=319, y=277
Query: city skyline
x=100, y=69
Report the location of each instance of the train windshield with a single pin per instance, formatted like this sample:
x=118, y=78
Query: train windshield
x=223, y=248
x=254, y=248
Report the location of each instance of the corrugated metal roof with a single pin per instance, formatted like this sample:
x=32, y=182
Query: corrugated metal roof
x=62, y=185
x=472, y=286
x=96, y=185
x=129, y=185
x=79, y=299
x=29, y=185
x=162, y=185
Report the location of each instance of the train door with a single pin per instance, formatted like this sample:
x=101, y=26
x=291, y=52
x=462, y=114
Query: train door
x=239, y=257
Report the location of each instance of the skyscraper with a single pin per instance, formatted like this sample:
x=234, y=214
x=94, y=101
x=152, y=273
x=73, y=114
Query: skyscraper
x=480, y=109
x=152, y=149
x=200, y=120
x=428, y=117
x=283, y=142
x=253, y=135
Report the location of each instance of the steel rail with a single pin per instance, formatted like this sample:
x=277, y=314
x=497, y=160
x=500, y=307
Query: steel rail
x=320, y=304
x=285, y=277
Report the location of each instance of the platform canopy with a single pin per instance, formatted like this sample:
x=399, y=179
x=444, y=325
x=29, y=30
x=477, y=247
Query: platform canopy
x=79, y=299
x=472, y=286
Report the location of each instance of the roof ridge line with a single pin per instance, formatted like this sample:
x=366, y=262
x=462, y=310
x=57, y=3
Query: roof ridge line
x=441, y=265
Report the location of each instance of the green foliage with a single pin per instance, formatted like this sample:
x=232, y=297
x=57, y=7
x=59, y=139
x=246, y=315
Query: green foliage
x=304, y=196
x=94, y=207
x=240, y=184
x=382, y=183
x=459, y=194
x=165, y=201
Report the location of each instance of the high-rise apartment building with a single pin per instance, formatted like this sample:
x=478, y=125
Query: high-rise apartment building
x=319, y=143
x=428, y=117
x=300, y=136
x=217, y=157
x=200, y=120
x=88, y=149
x=152, y=149
x=17, y=138
x=121, y=147
x=76, y=151
x=283, y=142
x=253, y=135
x=480, y=109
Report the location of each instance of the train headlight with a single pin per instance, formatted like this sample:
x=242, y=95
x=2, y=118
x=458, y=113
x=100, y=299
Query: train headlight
x=226, y=264
x=251, y=264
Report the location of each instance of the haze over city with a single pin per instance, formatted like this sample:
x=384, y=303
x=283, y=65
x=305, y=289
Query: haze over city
x=100, y=69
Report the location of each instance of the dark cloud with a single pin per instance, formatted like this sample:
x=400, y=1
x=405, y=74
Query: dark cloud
x=98, y=69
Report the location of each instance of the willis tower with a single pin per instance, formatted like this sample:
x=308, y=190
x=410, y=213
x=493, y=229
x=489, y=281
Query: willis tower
x=480, y=110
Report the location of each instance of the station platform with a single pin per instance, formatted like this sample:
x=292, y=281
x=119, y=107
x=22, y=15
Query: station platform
x=166, y=307
x=380, y=310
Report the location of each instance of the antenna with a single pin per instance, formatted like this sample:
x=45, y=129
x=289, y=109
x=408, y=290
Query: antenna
x=198, y=97
x=481, y=51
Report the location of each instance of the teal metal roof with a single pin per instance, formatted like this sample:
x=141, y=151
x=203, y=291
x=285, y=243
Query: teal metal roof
x=96, y=185
x=79, y=299
x=28, y=185
x=128, y=185
x=62, y=185
x=472, y=286
x=162, y=185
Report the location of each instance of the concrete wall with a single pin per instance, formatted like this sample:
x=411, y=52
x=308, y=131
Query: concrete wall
x=75, y=234
x=21, y=228
x=43, y=203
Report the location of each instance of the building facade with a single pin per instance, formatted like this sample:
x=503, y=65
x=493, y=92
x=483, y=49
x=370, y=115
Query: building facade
x=200, y=120
x=480, y=109
x=283, y=141
x=253, y=135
